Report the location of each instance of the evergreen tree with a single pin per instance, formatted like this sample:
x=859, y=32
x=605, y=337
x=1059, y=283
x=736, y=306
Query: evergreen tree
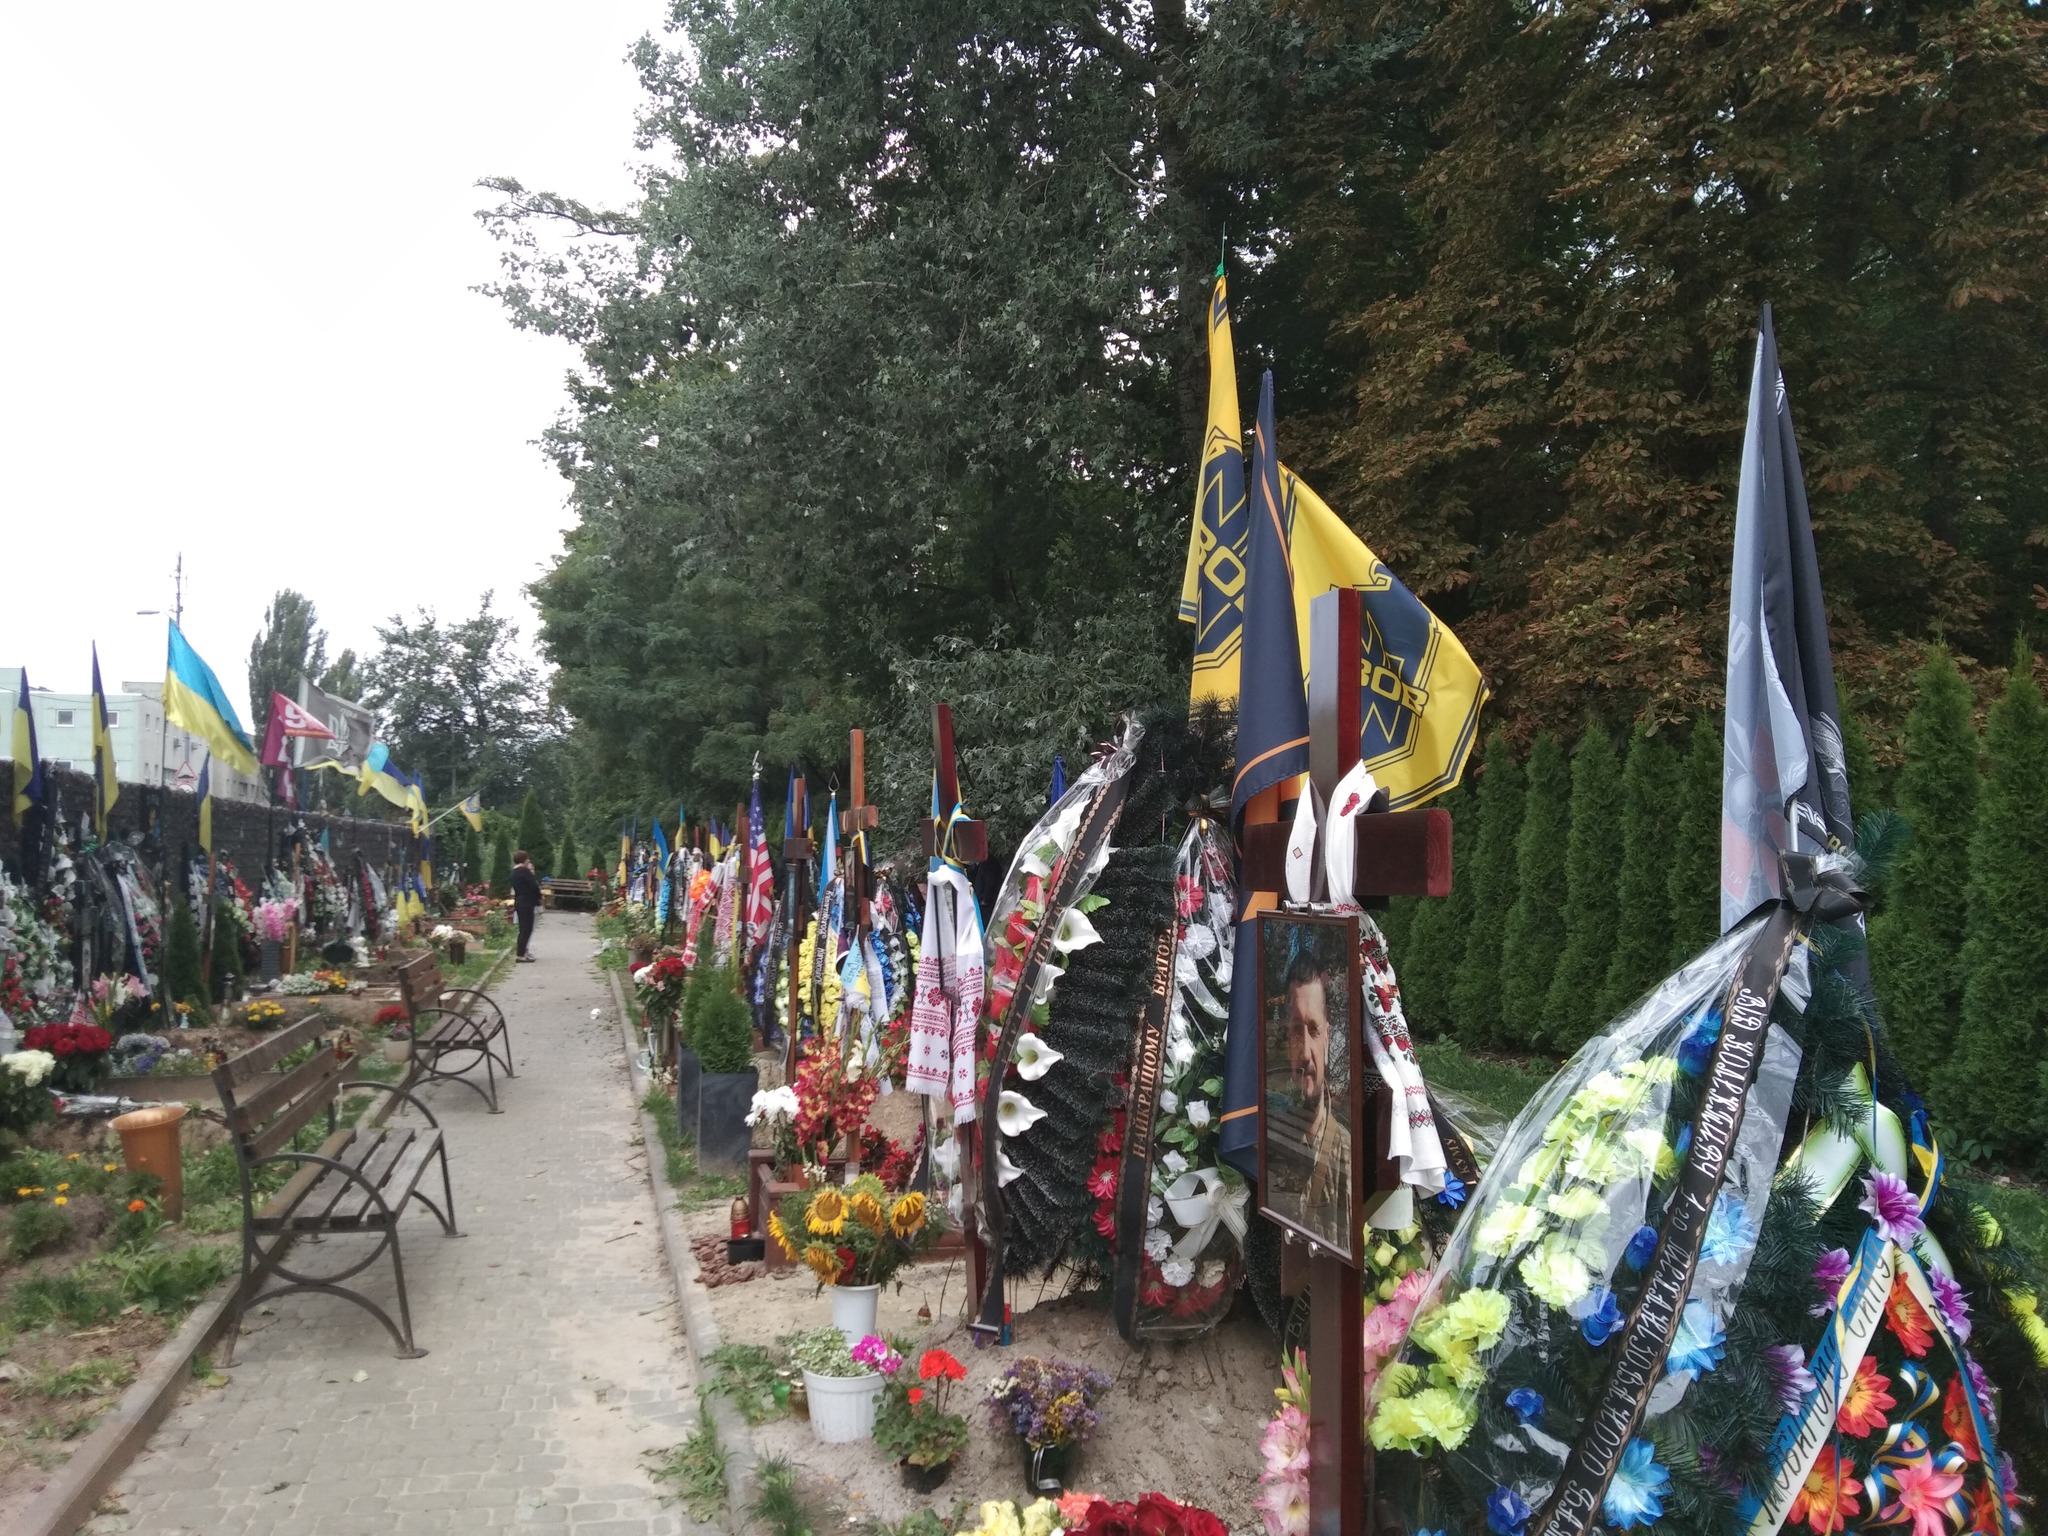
x=1592, y=867
x=1650, y=781
x=1535, y=927
x=1426, y=956
x=184, y=974
x=501, y=864
x=1992, y=1088
x=1476, y=998
x=568, y=863
x=1692, y=888
x=1916, y=942
x=533, y=833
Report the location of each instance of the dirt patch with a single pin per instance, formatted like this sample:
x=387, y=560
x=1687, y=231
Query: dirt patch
x=1181, y=1419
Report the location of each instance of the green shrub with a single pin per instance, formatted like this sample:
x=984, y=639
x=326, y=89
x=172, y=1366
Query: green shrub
x=169, y=1280
x=1426, y=956
x=36, y=1227
x=1692, y=884
x=533, y=835
x=1535, y=924
x=724, y=1035
x=1476, y=999
x=1592, y=864
x=184, y=972
x=1650, y=782
x=501, y=864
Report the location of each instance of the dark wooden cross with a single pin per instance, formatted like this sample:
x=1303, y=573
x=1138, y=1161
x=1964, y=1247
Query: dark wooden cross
x=1399, y=853
x=858, y=817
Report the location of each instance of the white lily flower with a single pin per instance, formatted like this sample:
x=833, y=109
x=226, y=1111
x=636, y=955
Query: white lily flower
x=1006, y=1171
x=946, y=1158
x=1048, y=973
x=1076, y=932
x=1035, y=1058
x=1016, y=1114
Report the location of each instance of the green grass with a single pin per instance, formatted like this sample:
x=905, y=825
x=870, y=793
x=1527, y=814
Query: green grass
x=1502, y=1083
x=779, y=1504
x=751, y=1377
x=696, y=1471
x=88, y=1378
x=694, y=1189
x=2020, y=1207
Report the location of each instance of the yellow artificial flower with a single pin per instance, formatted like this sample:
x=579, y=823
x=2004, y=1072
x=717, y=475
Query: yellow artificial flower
x=867, y=1210
x=907, y=1218
x=1555, y=1273
x=828, y=1213
x=61, y=1188
x=1041, y=1518
x=61, y=1200
x=1578, y=1203
x=1508, y=1227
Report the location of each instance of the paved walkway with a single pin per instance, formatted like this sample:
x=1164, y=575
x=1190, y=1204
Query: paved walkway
x=556, y=1359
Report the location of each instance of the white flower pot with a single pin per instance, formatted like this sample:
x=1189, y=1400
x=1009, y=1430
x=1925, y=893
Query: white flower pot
x=398, y=1051
x=853, y=1310
x=842, y=1407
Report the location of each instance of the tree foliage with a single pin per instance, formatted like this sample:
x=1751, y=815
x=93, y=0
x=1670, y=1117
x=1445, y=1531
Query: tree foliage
x=533, y=834
x=1693, y=882
x=1592, y=863
x=501, y=863
x=1535, y=925
x=1476, y=999
x=1642, y=917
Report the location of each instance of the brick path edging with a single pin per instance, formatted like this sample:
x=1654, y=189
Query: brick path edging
x=735, y=1437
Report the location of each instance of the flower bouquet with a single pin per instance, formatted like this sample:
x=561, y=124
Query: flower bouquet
x=23, y=1099
x=914, y=1424
x=111, y=996
x=1049, y=1405
x=776, y=1108
x=659, y=987
x=80, y=1051
x=274, y=919
x=856, y=1236
x=1283, y=1479
x=264, y=1014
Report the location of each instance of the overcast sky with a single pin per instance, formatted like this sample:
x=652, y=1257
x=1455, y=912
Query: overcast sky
x=237, y=260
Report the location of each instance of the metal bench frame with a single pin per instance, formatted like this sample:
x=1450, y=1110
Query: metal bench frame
x=465, y=1024
x=359, y=1180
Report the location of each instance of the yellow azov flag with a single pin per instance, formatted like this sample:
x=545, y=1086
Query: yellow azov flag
x=1420, y=692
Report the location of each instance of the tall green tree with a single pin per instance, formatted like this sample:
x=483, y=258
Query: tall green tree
x=533, y=834
x=1917, y=941
x=1592, y=865
x=569, y=863
x=1650, y=785
x=290, y=645
x=1991, y=1090
x=501, y=863
x=1535, y=932
x=1477, y=998
x=1693, y=886
x=1427, y=955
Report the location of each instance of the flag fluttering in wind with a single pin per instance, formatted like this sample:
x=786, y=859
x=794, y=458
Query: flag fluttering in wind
x=288, y=722
x=205, y=796
x=760, y=874
x=1784, y=773
x=1420, y=694
x=473, y=812
x=828, y=864
x=106, y=782
x=195, y=702
x=28, y=759
x=1059, y=780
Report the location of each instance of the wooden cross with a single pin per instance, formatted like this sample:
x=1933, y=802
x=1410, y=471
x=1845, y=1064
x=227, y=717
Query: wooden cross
x=858, y=817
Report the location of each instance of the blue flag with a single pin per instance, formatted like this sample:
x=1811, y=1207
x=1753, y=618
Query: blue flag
x=1272, y=747
x=1059, y=780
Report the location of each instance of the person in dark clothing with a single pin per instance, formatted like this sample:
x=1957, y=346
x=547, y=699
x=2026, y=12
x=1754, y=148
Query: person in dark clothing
x=525, y=900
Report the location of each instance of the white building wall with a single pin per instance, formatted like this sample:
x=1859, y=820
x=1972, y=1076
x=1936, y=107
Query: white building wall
x=142, y=745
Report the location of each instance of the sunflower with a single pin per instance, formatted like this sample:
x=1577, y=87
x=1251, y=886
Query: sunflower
x=823, y=1262
x=867, y=1210
x=780, y=1233
x=828, y=1213
x=907, y=1218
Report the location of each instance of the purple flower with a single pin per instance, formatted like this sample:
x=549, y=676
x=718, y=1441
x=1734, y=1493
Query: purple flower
x=1794, y=1380
x=1506, y=1514
x=1527, y=1403
x=1601, y=1317
x=1829, y=1271
x=1955, y=1306
x=1714, y=1468
x=1641, y=1248
x=1893, y=1210
x=875, y=1353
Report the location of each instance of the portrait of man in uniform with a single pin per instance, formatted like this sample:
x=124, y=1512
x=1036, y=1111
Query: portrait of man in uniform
x=1307, y=976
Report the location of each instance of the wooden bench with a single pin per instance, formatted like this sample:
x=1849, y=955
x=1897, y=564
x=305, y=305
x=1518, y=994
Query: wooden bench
x=358, y=1180
x=569, y=895
x=463, y=1026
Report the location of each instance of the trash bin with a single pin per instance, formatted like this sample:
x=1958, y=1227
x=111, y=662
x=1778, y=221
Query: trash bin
x=149, y=1144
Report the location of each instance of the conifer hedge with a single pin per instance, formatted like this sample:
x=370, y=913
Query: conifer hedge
x=1534, y=935
x=1476, y=998
x=1592, y=861
x=1643, y=920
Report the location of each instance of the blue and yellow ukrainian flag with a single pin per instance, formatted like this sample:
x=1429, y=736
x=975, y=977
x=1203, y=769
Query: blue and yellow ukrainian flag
x=28, y=758
x=205, y=793
x=195, y=702
x=473, y=812
x=106, y=782
x=1420, y=693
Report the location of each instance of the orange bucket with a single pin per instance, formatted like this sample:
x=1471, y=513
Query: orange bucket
x=149, y=1144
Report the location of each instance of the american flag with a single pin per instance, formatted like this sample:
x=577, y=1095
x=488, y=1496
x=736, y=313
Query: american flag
x=760, y=907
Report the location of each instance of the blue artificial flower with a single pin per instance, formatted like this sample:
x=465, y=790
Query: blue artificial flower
x=1697, y=1048
x=1699, y=1342
x=1602, y=1318
x=1506, y=1514
x=1683, y=1145
x=1730, y=1233
x=1641, y=1248
x=1527, y=1403
x=1453, y=1195
x=1635, y=1496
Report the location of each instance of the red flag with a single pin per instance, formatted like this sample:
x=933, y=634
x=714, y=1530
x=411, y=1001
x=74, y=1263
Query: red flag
x=288, y=720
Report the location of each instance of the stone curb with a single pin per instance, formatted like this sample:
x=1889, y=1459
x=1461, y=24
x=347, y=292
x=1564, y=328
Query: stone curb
x=735, y=1437
x=71, y=1496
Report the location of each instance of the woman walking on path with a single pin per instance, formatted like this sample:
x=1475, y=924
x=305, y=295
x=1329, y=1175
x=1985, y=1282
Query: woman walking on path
x=525, y=899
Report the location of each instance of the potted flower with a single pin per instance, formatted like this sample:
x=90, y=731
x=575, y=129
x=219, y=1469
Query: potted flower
x=452, y=939
x=854, y=1238
x=80, y=1050
x=842, y=1381
x=1049, y=1405
x=273, y=923
x=723, y=1033
x=914, y=1425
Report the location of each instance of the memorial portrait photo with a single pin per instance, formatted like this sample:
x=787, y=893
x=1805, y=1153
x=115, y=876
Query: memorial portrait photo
x=1308, y=990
